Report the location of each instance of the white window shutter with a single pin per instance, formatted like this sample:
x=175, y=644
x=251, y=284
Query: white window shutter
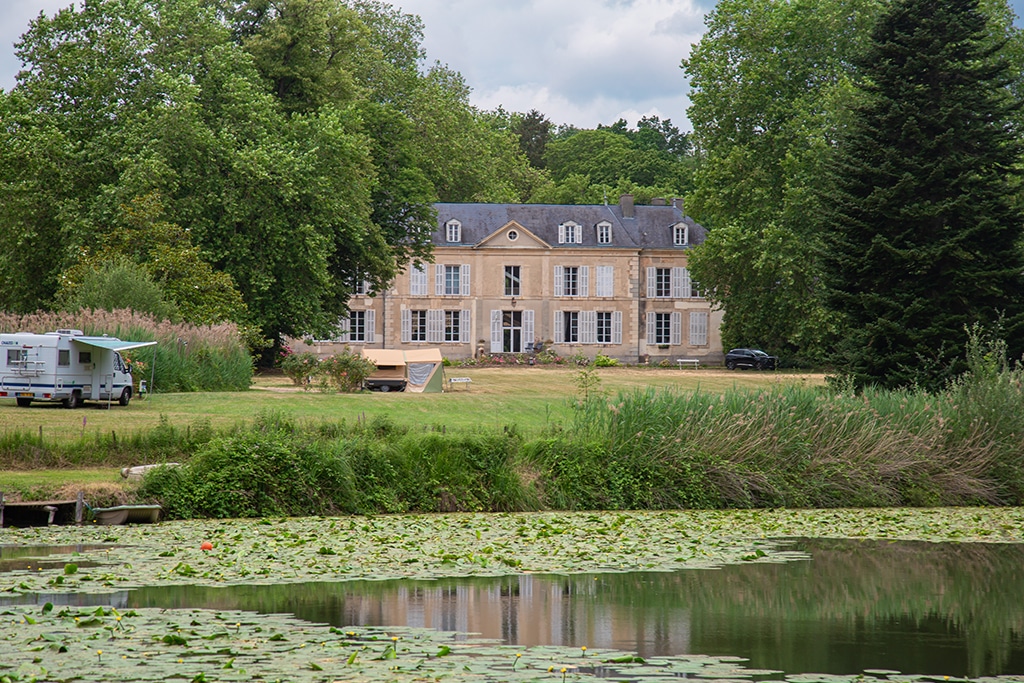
x=561, y=234
x=418, y=281
x=559, y=281
x=605, y=281
x=676, y=331
x=495, y=331
x=465, y=330
x=698, y=328
x=344, y=325
x=464, y=279
x=439, y=280
x=435, y=326
x=406, y=325
x=677, y=283
x=588, y=327
x=558, y=322
x=371, y=323
x=528, y=333
x=650, y=282
x=616, y=327
x=650, y=327
x=584, y=280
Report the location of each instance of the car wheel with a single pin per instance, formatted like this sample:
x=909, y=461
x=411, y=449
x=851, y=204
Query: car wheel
x=385, y=388
x=730, y=364
x=24, y=402
x=126, y=396
x=73, y=401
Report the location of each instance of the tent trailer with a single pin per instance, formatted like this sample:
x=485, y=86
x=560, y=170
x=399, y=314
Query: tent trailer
x=65, y=366
x=390, y=372
x=418, y=371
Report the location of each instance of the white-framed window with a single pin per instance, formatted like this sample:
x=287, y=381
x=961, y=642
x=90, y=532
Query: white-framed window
x=512, y=235
x=451, y=280
x=360, y=287
x=668, y=283
x=453, y=231
x=663, y=283
x=572, y=281
x=456, y=327
x=513, y=281
x=604, y=232
x=414, y=325
x=570, y=232
x=664, y=328
x=680, y=234
x=605, y=281
x=567, y=327
x=603, y=321
x=358, y=327
x=511, y=330
x=418, y=280
x=698, y=328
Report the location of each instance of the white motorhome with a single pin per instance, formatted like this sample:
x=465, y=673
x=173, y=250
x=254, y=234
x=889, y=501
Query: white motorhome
x=65, y=366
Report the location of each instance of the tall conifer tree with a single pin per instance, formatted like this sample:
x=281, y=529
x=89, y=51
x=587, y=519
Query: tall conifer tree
x=925, y=226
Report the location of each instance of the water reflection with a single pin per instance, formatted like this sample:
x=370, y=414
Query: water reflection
x=953, y=609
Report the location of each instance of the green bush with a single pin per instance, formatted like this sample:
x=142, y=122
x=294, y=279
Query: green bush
x=346, y=371
x=300, y=368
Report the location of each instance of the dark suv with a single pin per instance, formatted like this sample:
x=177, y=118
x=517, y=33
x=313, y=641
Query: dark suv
x=749, y=358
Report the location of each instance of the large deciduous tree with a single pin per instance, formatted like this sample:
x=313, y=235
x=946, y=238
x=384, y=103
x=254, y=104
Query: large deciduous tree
x=767, y=84
x=135, y=98
x=925, y=235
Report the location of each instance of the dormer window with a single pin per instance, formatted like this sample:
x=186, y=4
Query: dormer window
x=680, y=234
x=570, y=233
x=453, y=231
x=604, y=232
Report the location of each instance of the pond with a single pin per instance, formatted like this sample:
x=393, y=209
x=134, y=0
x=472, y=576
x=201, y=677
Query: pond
x=953, y=609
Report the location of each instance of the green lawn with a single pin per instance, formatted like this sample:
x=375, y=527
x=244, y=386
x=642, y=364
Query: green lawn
x=529, y=397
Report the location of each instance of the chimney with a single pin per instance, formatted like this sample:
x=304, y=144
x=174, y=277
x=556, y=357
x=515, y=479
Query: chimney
x=677, y=202
x=626, y=204
x=657, y=201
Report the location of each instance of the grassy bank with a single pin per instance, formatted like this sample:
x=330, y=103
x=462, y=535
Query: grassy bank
x=571, y=443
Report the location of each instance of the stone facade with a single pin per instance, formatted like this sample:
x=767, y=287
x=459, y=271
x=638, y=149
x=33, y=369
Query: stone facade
x=507, y=278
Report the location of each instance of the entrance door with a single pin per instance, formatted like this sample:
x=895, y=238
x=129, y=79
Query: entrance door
x=512, y=331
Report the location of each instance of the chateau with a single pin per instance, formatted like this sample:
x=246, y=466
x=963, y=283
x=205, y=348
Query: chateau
x=509, y=278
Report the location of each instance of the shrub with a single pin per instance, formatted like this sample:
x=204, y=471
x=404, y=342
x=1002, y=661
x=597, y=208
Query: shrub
x=603, y=361
x=300, y=368
x=346, y=370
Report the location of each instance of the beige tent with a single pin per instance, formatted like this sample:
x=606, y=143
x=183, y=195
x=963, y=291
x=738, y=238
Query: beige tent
x=416, y=371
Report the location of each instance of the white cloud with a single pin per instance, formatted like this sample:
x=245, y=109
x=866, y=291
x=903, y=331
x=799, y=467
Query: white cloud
x=577, y=61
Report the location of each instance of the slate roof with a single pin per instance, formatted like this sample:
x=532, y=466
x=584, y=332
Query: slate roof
x=650, y=228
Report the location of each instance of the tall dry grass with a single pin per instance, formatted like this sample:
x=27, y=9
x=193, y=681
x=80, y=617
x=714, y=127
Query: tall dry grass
x=186, y=357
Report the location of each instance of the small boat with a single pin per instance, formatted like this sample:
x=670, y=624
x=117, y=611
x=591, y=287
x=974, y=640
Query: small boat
x=127, y=514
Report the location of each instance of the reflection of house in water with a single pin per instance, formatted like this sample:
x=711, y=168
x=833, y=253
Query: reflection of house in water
x=525, y=610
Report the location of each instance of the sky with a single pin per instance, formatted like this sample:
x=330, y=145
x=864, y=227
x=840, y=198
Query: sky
x=579, y=62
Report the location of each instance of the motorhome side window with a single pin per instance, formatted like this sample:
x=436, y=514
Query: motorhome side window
x=63, y=357
x=85, y=356
x=16, y=356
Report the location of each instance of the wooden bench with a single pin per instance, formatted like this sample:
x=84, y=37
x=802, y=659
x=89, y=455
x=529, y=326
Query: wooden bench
x=695, y=362
x=465, y=381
